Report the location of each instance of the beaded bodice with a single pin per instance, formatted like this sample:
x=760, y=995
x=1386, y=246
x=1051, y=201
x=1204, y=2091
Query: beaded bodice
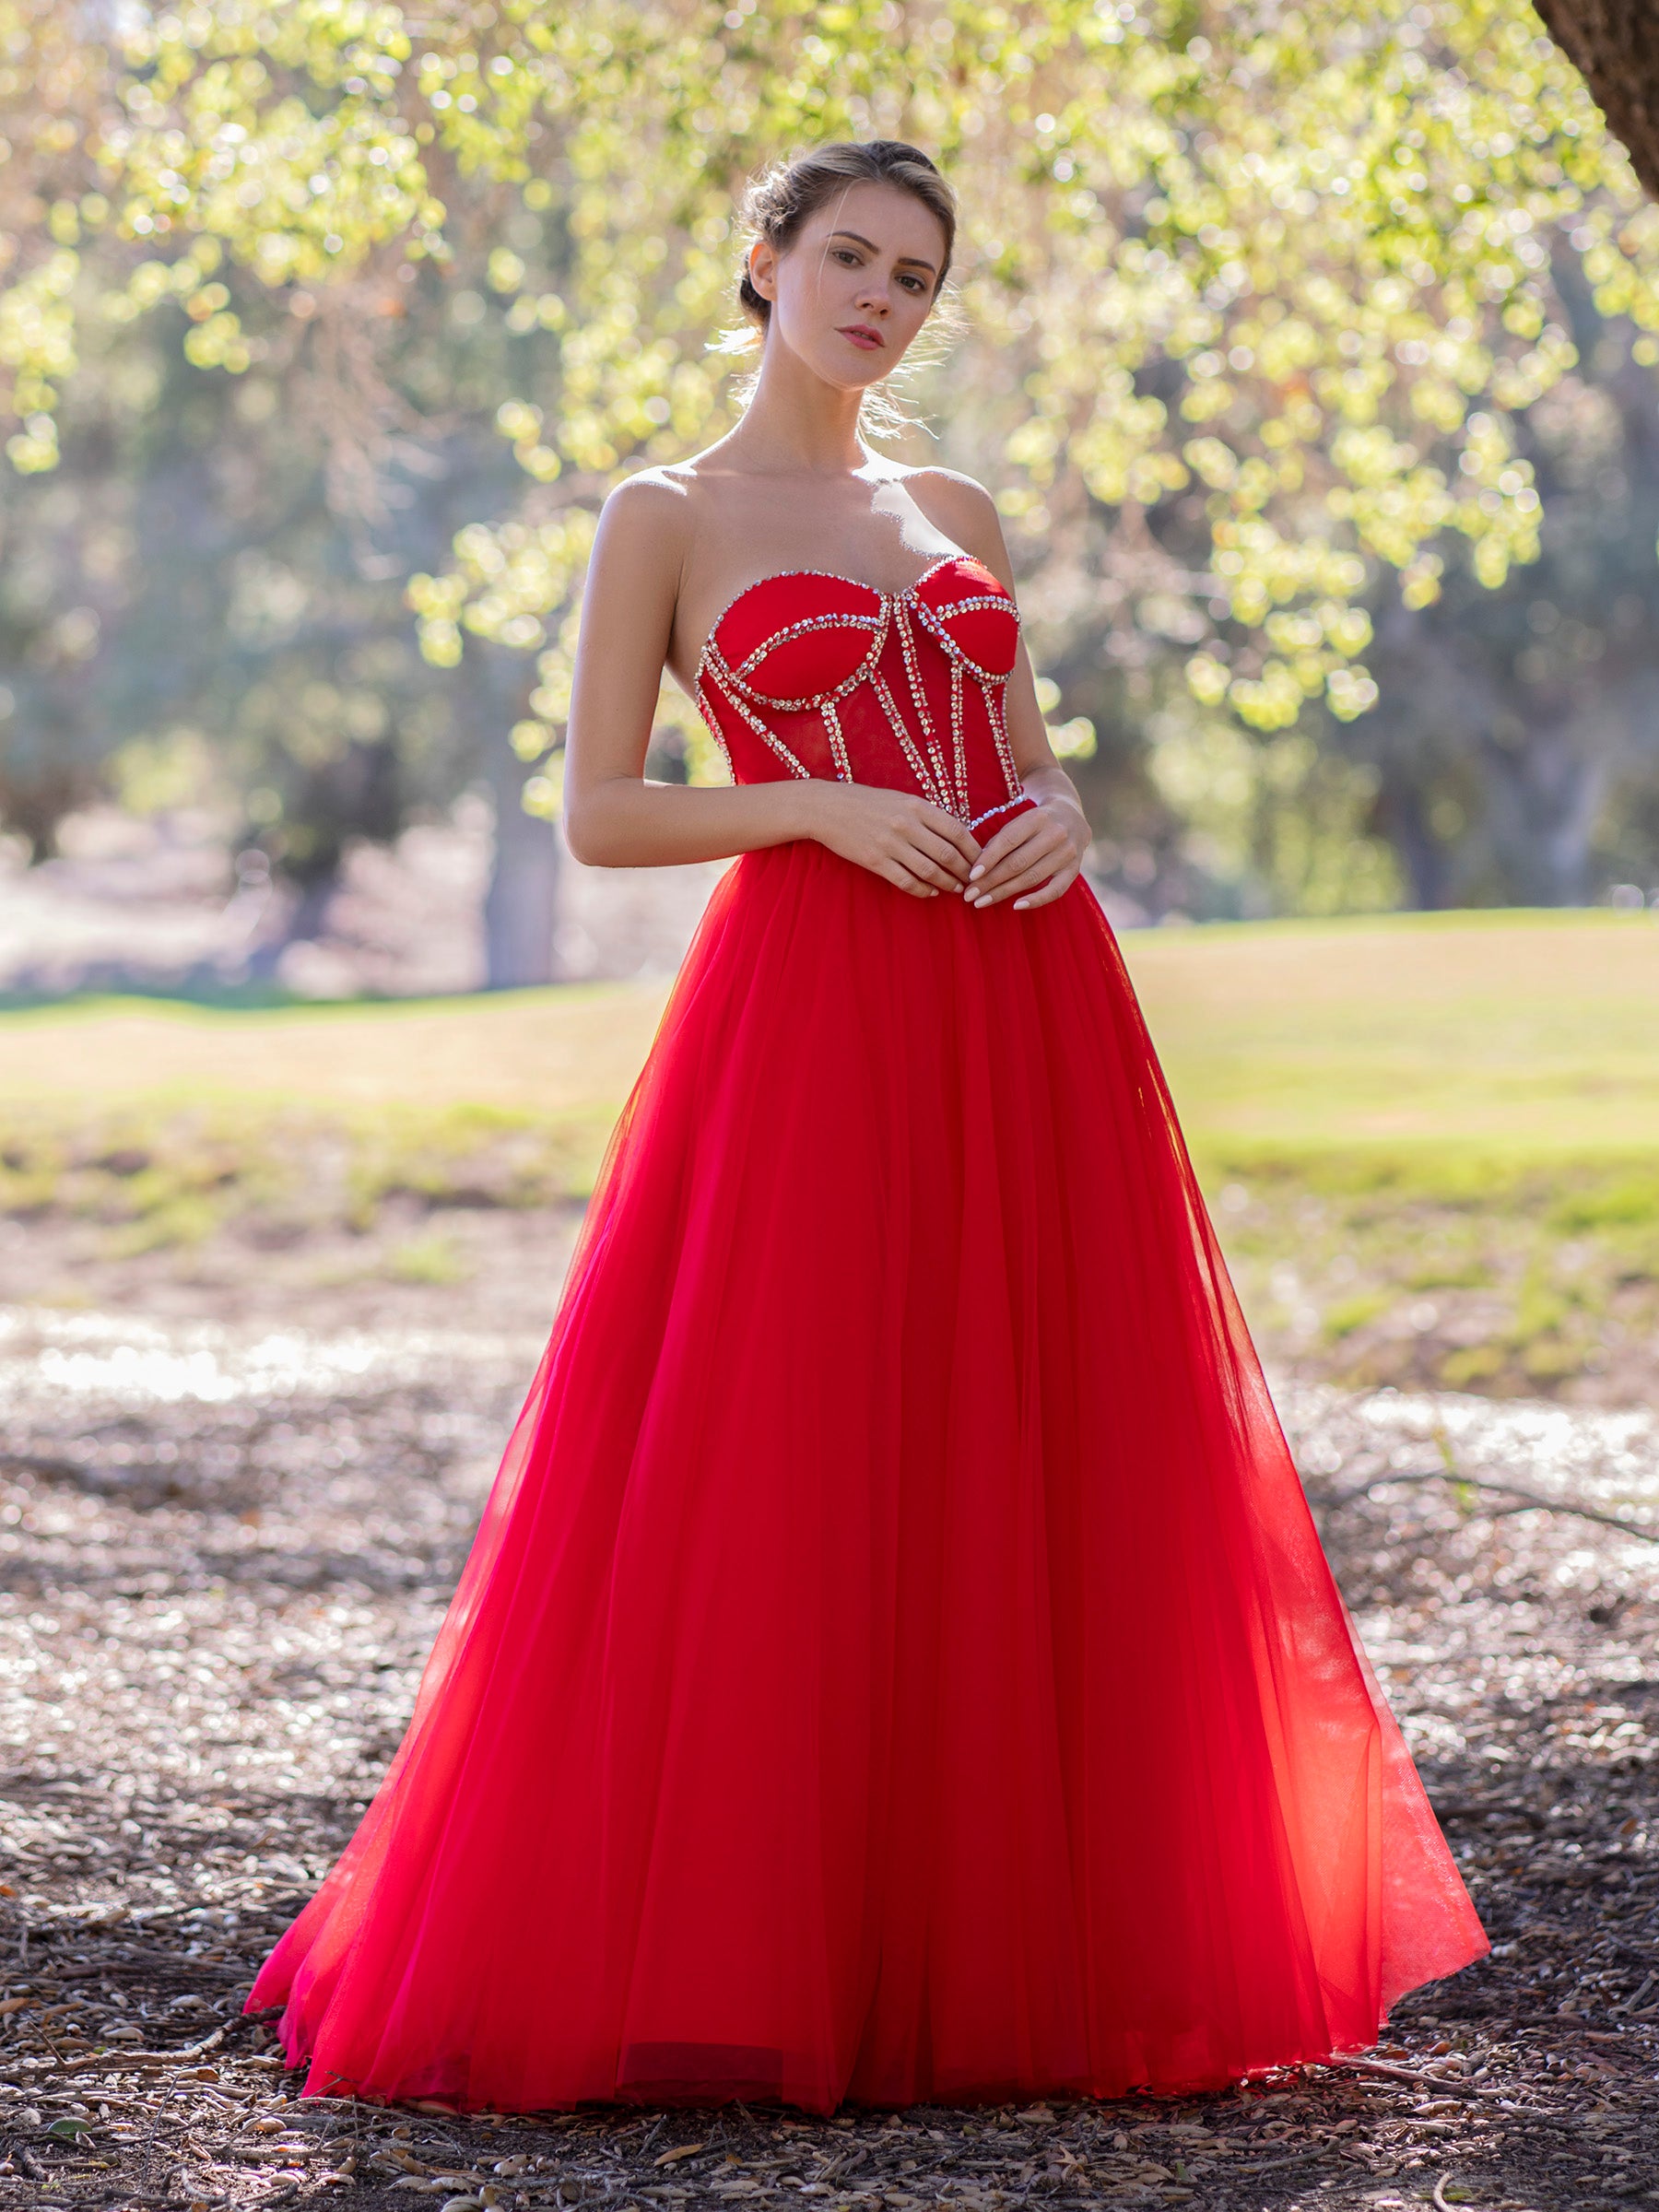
x=810, y=674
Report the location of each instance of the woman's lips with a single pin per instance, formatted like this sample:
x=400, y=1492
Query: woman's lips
x=858, y=336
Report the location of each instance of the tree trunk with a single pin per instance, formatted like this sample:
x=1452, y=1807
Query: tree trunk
x=521, y=906
x=1615, y=45
x=1416, y=845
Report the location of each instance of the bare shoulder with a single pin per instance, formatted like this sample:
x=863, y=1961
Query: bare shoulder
x=964, y=510
x=646, y=528
x=650, y=503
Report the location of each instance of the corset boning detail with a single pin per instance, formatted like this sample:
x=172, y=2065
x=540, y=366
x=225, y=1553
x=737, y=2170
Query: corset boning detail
x=808, y=674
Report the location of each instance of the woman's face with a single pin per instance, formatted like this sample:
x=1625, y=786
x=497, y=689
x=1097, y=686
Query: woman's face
x=853, y=287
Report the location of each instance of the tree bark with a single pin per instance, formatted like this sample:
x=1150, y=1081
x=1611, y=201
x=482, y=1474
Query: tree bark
x=1615, y=45
x=521, y=908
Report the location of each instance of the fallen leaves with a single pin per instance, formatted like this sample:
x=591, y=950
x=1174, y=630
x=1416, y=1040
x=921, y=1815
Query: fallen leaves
x=239, y=1683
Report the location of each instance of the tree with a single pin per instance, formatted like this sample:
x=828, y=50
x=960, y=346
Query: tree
x=1258, y=298
x=1517, y=740
x=1614, y=43
x=298, y=456
x=180, y=608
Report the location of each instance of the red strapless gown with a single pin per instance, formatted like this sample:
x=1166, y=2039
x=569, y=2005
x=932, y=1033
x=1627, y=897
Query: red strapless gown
x=896, y=1662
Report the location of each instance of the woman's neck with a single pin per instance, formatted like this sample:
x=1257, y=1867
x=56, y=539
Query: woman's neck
x=796, y=424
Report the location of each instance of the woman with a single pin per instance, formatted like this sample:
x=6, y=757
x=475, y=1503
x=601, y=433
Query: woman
x=896, y=1663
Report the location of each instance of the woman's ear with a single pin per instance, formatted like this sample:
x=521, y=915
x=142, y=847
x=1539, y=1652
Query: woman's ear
x=763, y=268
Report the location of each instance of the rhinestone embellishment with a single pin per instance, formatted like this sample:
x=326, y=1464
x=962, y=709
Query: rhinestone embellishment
x=940, y=775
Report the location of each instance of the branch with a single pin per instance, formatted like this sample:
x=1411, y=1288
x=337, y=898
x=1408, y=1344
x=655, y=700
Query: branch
x=1525, y=1500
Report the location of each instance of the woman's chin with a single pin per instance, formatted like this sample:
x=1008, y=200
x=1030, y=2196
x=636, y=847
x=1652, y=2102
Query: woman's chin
x=843, y=366
x=866, y=370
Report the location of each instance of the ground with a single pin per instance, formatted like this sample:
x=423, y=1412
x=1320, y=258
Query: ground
x=263, y=1328
x=224, y=1550
x=1429, y=1140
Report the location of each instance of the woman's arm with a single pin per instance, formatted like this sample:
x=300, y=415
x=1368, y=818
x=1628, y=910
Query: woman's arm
x=614, y=818
x=1036, y=856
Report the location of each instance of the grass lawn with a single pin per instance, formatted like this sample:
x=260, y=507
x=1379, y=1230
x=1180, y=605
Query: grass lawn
x=1532, y=1033
x=553, y=1053
x=1432, y=1141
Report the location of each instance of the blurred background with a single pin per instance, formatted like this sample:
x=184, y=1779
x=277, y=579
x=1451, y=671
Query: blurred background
x=1312, y=352
x=1313, y=359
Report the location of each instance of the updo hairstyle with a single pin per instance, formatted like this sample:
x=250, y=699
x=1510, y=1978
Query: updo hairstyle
x=780, y=200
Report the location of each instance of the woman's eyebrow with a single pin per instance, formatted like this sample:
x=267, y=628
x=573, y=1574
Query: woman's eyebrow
x=870, y=248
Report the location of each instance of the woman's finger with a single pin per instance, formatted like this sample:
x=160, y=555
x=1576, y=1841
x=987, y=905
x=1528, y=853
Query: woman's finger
x=921, y=862
x=1038, y=870
x=944, y=856
x=1009, y=838
x=1056, y=887
x=1036, y=858
x=1033, y=832
x=896, y=872
x=955, y=834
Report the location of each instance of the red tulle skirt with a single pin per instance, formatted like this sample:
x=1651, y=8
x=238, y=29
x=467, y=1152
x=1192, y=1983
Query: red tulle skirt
x=896, y=1662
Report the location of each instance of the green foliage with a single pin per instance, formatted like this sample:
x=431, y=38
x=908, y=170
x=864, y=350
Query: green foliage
x=428, y=1259
x=1364, y=1265
x=1294, y=268
x=1275, y=812
x=1446, y=1267
x=1350, y=1314
x=162, y=1176
x=1292, y=335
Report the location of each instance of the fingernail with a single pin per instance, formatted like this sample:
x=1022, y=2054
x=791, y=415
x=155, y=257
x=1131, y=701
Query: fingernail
x=975, y=874
x=1018, y=904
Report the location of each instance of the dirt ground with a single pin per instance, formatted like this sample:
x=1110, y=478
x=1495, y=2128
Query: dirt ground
x=225, y=1546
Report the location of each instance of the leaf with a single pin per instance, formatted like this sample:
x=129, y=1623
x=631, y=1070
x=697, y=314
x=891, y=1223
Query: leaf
x=70, y=2130
x=686, y=2150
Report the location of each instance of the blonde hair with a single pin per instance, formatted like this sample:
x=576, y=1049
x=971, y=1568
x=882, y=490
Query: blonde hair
x=784, y=198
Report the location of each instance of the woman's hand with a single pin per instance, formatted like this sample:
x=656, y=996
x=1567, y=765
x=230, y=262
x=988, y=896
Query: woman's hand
x=1034, y=858
x=919, y=847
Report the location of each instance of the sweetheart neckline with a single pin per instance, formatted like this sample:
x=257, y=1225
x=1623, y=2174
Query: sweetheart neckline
x=858, y=583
